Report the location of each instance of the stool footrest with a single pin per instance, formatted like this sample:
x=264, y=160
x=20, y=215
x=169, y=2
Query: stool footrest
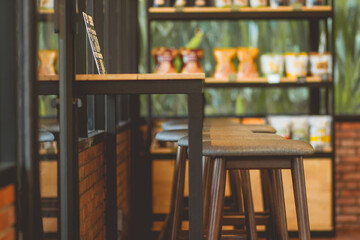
x=240, y=220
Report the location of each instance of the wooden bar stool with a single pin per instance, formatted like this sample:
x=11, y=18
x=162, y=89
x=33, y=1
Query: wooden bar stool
x=172, y=136
x=259, y=154
x=231, y=127
x=207, y=170
x=179, y=173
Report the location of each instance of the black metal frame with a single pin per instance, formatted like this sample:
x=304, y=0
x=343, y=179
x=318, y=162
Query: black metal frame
x=27, y=135
x=69, y=194
x=18, y=121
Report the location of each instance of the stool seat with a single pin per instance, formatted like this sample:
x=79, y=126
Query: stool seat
x=253, y=128
x=256, y=147
x=45, y=136
x=179, y=126
x=171, y=136
x=182, y=124
x=232, y=137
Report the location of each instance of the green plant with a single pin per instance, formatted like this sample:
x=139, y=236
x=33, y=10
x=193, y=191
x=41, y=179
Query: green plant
x=347, y=67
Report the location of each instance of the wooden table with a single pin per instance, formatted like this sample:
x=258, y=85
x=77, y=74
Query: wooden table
x=117, y=84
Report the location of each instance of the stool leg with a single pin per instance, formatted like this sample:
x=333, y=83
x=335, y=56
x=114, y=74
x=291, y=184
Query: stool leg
x=165, y=231
x=235, y=182
x=298, y=176
x=249, y=205
x=208, y=170
x=179, y=192
x=217, y=199
x=279, y=205
x=267, y=202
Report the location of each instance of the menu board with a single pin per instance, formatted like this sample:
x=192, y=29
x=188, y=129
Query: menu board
x=94, y=43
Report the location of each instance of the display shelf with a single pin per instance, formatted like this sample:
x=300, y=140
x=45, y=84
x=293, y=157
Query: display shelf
x=310, y=82
x=321, y=90
x=46, y=15
x=48, y=84
x=212, y=13
x=43, y=78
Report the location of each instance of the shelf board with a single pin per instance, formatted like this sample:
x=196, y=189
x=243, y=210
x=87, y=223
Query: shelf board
x=127, y=77
x=46, y=15
x=210, y=13
x=310, y=82
x=43, y=78
x=48, y=84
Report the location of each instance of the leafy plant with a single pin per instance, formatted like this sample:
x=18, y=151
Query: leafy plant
x=347, y=67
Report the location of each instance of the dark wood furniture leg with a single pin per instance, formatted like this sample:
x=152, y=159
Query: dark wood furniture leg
x=267, y=202
x=166, y=229
x=217, y=199
x=297, y=170
x=179, y=192
x=208, y=171
x=279, y=205
x=248, y=205
x=235, y=182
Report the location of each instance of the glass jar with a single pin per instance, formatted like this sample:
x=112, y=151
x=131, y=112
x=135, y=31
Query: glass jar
x=161, y=3
x=320, y=64
x=48, y=60
x=277, y=3
x=258, y=3
x=312, y=3
x=300, y=128
x=164, y=58
x=201, y=3
x=240, y=3
x=272, y=64
x=180, y=3
x=222, y=3
x=191, y=60
x=46, y=4
x=297, y=4
x=247, y=63
x=296, y=65
x=224, y=63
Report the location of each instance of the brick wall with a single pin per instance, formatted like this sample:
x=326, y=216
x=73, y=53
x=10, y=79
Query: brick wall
x=123, y=178
x=7, y=213
x=348, y=175
x=92, y=183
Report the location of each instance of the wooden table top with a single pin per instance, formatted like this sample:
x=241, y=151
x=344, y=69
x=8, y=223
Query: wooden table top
x=127, y=77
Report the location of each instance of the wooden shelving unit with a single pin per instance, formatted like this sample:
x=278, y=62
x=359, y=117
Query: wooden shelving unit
x=321, y=91
x=309, y=82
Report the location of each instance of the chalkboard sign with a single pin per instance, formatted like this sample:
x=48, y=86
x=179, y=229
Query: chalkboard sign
x=94, y=43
